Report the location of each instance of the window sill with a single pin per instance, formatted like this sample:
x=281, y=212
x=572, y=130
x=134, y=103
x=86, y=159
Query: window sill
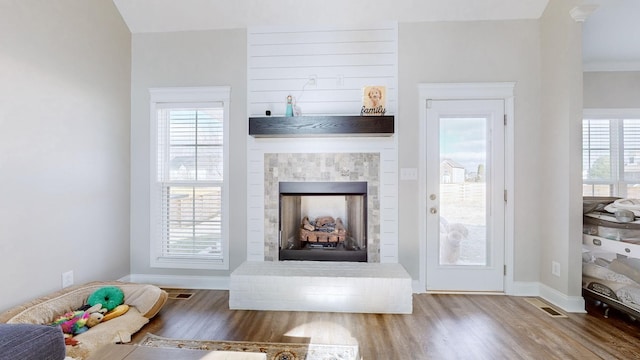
x=195, y=264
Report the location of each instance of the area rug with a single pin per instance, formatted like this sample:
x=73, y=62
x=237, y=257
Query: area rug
x=274, y=351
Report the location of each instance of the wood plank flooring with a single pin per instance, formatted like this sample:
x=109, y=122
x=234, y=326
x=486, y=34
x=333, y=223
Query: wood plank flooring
x=441, y=327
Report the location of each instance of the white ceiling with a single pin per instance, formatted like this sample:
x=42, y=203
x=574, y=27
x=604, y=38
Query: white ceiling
x=611, y=34
x=179, y=15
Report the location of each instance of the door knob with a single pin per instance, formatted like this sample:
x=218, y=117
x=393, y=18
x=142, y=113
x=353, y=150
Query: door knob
x=432, y=196
x=433, y=210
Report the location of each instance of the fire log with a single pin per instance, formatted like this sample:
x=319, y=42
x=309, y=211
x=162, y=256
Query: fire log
x=307, y=225
x=323, y=220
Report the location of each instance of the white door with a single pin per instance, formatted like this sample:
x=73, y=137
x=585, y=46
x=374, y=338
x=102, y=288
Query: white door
x=465, y=195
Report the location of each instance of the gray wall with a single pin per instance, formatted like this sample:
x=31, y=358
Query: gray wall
x=69, y=139
x=489, y=51
x=64, y=145
x=428, y=52
x=200, y=58
x=560, y=151
x=620, y=89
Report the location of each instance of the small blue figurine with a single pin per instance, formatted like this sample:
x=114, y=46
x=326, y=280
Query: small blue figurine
x=289, y=111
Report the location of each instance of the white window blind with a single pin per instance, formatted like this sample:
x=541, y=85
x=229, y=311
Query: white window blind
x=189, y=184
x=611, y=156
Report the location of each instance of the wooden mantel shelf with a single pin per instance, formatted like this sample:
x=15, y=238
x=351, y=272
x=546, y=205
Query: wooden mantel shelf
x=300, y=126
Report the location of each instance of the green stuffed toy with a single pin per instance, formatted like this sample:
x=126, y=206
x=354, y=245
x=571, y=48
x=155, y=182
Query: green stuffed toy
x=108, y=296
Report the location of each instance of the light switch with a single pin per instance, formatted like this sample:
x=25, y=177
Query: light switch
x=408, y=174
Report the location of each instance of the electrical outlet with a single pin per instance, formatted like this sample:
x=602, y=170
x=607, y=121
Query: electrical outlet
x=67, y=278
x=313, y=80
x=555, y=268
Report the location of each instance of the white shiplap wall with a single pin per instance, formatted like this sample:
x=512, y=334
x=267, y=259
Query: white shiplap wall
x=343, y=60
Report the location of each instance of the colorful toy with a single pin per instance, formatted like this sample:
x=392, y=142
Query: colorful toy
x=79, y=321
x=71, y=322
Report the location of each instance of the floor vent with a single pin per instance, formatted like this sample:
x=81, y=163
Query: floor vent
x=546, y=308
x=178, y=294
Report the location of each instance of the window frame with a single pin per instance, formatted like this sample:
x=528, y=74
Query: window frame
x=617, y=185
x=186, y=96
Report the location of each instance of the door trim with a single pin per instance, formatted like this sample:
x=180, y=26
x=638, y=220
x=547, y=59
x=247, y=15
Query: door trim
x=469, y=91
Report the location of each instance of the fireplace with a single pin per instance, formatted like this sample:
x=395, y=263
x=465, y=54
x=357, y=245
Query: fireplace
x=273, y=168
x=323, y=221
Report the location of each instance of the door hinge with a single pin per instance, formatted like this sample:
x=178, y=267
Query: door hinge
x=505, y=119
x=505, y=196
x=505, y=270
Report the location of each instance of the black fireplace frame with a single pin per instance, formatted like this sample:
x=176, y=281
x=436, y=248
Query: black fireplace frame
x=333, y=188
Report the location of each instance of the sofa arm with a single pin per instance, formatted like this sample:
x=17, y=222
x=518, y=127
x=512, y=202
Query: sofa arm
x=31, y=342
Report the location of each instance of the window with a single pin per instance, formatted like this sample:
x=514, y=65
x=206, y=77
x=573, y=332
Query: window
x=189, y=200
x=611, y=153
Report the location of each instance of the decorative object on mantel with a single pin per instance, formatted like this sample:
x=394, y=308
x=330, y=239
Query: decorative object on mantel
x=289, y=111
x=336, y=125
x=373, y=101
x=297, y=111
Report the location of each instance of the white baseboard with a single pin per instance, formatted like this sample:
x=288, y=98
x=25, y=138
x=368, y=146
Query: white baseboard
x=183, y=282
x=574, y=304
x=417, y=287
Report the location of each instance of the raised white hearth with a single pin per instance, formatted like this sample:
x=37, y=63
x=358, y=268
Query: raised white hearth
x=321, y=286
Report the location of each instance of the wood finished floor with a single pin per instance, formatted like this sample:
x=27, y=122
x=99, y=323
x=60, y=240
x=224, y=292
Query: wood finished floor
x=441, y=327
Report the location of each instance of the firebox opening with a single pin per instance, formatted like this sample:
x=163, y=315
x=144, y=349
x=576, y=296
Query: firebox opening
x=324, y=221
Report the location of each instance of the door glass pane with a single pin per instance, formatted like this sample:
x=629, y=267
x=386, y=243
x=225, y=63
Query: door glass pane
x=463, y=194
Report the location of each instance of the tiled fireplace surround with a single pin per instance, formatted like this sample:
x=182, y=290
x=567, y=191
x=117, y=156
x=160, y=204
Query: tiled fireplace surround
x=321, y=167
x=263, y=283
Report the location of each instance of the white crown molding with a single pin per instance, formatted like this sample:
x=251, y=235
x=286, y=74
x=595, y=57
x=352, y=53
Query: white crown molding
x=580, y=13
